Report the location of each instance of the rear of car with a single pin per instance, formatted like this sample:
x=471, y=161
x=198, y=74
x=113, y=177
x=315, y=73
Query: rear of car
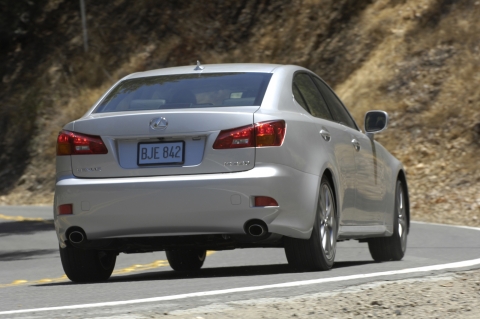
x=171, y=154
x=190, y=159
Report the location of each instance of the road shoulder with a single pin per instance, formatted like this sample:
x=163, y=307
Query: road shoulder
x=441, y=296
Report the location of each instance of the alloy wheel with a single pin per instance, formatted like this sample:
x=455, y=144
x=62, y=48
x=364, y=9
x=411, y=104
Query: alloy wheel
x=328, y=227
x=402, y=221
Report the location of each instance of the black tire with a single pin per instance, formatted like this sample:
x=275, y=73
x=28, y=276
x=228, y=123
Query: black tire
x=393, y=247
x=82, y=265
x=186, y=260
x=317, y=252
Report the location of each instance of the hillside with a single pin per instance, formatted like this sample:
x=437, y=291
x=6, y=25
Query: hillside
x=417, y=59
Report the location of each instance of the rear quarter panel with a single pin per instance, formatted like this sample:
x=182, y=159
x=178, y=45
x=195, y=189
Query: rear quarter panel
x=300, y=150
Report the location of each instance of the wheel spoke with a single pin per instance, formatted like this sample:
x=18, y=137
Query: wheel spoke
x=321, y=208
x=330, y=220
x=327, y=203
x=400, y=201
x=402, y=218
x=401, y=226
x=329, y=244
x=324, y=237
x=332, y=241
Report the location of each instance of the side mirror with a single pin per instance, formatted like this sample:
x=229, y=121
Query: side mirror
x=375, y=122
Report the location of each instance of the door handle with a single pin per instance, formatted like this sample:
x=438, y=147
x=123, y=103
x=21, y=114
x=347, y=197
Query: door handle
x=326, y=135
x=356, y=145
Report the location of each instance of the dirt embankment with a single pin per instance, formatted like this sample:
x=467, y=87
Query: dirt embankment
x=417, y=59
x=455, y=296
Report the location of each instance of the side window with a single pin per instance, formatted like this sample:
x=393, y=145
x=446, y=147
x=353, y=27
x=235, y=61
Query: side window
x=311, y=96
x=340, y=114
x=299, y=98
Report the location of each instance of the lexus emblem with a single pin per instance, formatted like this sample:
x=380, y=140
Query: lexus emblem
x=159, y=123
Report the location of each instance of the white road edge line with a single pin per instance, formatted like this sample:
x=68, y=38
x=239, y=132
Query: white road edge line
x=460, y=264
x=446, y=225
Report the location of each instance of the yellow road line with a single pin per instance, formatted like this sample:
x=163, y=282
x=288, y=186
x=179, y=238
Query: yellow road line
x=23, y=219
x=133, y=268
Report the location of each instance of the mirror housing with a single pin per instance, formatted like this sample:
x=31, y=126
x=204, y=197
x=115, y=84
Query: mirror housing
x=375, y=122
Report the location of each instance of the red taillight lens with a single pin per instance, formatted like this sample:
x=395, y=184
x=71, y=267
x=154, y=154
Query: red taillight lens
x=70, y=143
x=271, y=133
x=66, y=209
x=235, y=138
x=261, y=201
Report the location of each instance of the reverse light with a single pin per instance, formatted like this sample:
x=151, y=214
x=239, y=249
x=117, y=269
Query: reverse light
x=71, y=143
x=262, y=201
x=270, y=133
x=66, y=209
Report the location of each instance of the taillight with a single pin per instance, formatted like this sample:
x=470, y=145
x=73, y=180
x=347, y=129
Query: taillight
x=235, y=138
x=70, y=143
x=270, y=133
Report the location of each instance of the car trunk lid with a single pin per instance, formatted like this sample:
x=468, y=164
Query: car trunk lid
x=138, y=142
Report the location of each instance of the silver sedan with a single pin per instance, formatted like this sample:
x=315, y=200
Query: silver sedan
x=215, y=157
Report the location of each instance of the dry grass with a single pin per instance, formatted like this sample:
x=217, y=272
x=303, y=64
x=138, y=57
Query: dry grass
x=425, y=77
x=417, y=59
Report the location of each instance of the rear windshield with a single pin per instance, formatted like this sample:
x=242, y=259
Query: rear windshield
x=186, y=91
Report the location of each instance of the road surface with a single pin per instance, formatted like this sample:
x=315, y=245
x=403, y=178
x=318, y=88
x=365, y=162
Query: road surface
x=33, y=285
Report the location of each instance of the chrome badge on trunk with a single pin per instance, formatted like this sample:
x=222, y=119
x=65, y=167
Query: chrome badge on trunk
x=159, y=123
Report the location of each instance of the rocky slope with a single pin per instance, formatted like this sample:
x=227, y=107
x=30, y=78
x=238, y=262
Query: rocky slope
x=417, y=59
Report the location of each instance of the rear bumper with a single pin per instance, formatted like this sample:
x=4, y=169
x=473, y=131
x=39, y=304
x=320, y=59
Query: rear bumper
x=188, y=204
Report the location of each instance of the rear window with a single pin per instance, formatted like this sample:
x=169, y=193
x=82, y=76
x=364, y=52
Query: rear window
x=186, y=91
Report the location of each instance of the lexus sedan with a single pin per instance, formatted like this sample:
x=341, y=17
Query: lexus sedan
x=217, y=157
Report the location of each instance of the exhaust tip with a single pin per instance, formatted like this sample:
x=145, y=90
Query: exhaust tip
x=76, y=237
x=256, y=230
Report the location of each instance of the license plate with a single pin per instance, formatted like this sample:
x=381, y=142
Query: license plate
x=161, y=153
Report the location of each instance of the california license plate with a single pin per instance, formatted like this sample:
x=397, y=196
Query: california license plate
x=161, y=153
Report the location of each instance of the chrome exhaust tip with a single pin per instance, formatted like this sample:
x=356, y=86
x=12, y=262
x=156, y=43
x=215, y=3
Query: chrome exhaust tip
x=256, y=230
x=76, y=237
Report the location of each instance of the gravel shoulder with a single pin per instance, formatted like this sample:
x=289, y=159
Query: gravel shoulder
x=455, y=295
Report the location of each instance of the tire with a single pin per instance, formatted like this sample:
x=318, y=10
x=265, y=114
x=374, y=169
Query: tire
x=317, y=252
x=186, y=260
x=393, y=247
x=82, y=265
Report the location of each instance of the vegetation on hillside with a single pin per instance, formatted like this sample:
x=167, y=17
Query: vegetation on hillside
x=417, y=59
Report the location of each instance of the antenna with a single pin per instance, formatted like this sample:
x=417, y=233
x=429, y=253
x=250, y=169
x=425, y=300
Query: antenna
x=199, y=66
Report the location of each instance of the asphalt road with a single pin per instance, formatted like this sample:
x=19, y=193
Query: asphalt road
x=31, y=272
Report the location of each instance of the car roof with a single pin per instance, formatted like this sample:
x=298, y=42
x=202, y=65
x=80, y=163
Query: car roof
x=209, y=68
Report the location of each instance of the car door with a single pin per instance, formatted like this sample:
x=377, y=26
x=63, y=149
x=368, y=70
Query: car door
x=368, y=184
x=369, y=179
x=334, y=139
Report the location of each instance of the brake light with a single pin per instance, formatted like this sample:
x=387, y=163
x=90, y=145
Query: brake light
x=235, y=138
x=270, y=133
x=71, y=143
